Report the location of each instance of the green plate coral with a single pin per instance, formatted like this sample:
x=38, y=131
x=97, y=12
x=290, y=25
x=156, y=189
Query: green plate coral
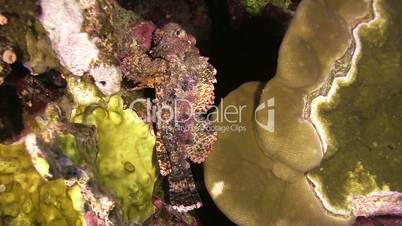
x=125, y=159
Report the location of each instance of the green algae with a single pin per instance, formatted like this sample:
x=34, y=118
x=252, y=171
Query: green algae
x=27, y=199
x=41, y=55
x=124, y=162
x=27, y=35
x=254, y=7
x=20, y=16
x=68, y=144
x=110, y=25
x=83, y=90
x=363, y=117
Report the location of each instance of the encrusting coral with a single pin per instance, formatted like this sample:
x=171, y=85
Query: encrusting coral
x=77, y=51
x=7, y=57
x=27, y=199
x=336, y=126
x=364, y=159
x=125, y=157
x=41, y=55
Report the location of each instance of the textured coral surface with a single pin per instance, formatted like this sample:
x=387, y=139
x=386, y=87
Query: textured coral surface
x=27, y=199
x=125, y=158
x=357, y=140
x=251, y=188
x=304, y=65
x=362, y=118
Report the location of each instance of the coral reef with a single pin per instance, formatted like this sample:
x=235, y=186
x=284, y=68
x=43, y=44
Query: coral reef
x=305, y=63
x=41, y=55
x=20, y=21
x=247, y=185
x=377, y=204
x=104, y=105
x=63, y=151
x=192, y=15
x=125, y=158
x=77, y=51
x=37, y=91
x=68, y=58
x=8, y=57
x=28, y=199
x=62, y=63
x=326, y=123
x=388, y=221
x=367, y=103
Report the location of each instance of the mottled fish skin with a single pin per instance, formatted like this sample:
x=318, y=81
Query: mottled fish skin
x=184, y=80
x=190, y=79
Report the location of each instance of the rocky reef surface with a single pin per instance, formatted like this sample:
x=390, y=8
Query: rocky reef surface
x=77, y=146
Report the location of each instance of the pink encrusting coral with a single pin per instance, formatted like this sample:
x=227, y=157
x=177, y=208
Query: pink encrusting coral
x=378, y=204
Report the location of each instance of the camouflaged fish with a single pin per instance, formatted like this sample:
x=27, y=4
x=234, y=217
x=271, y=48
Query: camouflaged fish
x=183, y=81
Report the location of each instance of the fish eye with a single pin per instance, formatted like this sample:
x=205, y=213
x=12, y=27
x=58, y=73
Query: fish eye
x=180, y=33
